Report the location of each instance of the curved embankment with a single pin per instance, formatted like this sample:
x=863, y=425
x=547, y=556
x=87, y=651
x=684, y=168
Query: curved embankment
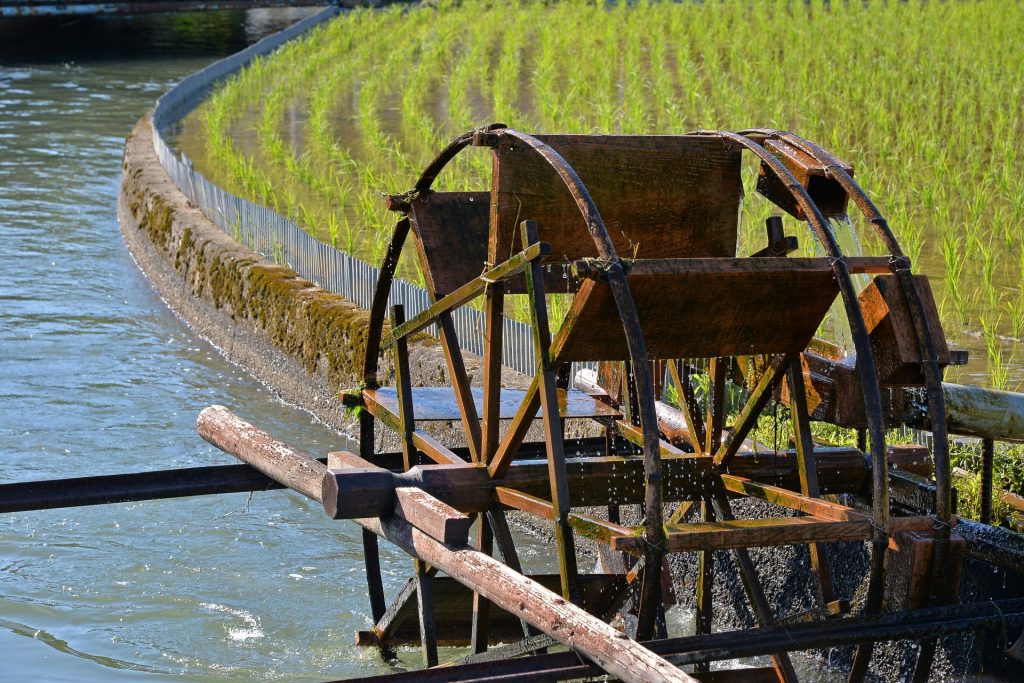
x=304, y=342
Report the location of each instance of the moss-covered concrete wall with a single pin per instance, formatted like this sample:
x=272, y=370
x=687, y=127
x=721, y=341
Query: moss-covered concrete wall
x=304, y=342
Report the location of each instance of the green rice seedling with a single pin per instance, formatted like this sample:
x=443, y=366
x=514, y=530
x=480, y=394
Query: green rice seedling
x=953, y=256
x=998, y=371
x=345, y=104
x=1015, y=309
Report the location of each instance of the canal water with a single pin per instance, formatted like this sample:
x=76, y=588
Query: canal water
x=98, y=376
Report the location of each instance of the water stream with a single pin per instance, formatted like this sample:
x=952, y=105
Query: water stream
x=98, y=376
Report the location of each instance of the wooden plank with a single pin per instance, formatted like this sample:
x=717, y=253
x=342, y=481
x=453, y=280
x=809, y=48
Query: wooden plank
x=752, y=533
x=737, y=313
x=451, y=237
x=591, y=269
x=658, y=195
x=439, y=404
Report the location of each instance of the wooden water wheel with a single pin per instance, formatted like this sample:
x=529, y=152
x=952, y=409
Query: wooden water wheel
x=641, y=232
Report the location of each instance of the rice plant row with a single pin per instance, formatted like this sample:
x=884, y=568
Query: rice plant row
x=925, y=100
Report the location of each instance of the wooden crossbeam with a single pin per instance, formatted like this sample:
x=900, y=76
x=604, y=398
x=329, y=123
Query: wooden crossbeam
x=468, y=291
x=751, y=533
x=590, y=268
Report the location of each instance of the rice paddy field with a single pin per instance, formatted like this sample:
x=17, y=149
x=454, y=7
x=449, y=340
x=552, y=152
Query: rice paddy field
x=924, y=99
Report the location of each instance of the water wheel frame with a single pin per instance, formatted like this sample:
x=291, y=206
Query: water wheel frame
x=546, y=382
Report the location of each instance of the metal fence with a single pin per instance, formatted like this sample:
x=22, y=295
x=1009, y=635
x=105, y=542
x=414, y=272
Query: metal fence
x=282, y=241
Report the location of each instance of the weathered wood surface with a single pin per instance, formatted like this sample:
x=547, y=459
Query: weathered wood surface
x=569, y=624
x=658, y=196
x=891, y=330
x=738, y=313
x=451, y=237
x=279, y=461
x=985, y=413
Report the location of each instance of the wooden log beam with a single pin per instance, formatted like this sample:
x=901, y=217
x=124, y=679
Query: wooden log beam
x=297, y=470
x=510, y=590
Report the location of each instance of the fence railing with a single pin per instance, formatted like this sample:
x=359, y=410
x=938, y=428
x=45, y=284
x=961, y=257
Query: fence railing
x=281, y=240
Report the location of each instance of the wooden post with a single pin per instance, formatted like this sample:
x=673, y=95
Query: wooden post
x=481, y=608
x=705, y=585
x=808, y=472
x=987, y=461
x=552, y=420
x=404, y=382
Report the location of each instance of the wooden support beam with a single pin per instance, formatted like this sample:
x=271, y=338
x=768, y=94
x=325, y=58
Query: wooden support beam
x=425, y=609
x=407, y=418
x=715, y=420
x=431, y=515
x=508, y=589
x=516, y=431
x=808, y=471
x=705, y=585
x=493, y=334
x=553, y=435
x=990, y=617
x=750, y=533
x=515, y=265
x=570, y=625
x=792, y=500
x=589, y=269
x=460, y=382
x=745, y=421
x=679, y=371
x=479, y=637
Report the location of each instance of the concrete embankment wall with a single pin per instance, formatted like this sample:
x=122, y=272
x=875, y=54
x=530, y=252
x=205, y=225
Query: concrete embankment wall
x=304, y=342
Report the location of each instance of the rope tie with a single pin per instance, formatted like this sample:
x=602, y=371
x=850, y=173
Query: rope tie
x=900, y=264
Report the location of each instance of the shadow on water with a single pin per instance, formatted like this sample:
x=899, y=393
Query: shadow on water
x=50, y=40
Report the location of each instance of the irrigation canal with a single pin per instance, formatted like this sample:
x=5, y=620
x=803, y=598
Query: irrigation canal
x=97, y=376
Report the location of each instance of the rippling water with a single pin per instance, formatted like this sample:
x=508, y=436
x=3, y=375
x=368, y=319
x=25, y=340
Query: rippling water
x=98, y=376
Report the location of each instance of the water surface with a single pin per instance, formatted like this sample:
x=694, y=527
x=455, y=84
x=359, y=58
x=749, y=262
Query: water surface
x=98, y=376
